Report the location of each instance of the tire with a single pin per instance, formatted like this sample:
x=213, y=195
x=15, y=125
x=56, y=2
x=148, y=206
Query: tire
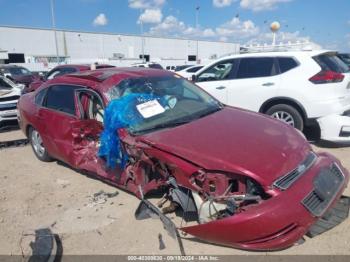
x=287, y=114
x=38, y=146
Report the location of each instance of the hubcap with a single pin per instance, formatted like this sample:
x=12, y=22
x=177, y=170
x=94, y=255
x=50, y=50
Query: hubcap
x=37, y=143
x=285, y=117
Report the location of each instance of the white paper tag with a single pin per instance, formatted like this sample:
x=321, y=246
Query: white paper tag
x=150, y=108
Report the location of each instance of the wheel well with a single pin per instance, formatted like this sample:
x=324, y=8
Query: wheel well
x=270, y=103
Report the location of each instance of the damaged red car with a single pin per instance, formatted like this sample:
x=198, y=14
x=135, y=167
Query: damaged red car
x=241, y=179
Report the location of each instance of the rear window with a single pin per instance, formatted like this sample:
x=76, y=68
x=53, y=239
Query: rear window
x=19, y=71
x=286, y=63
x=256, y=67
x=330, y=62
x=345, y=58
x=155, y=66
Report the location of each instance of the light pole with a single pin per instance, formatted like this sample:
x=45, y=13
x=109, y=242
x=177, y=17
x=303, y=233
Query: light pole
x=197, y=27
x=142, y=40
x=54, y=28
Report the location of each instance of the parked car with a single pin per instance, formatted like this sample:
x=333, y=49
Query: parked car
x=189, y=71
x=61, y=70
x=300, y=88
x=170, y=68
x=148, y=65
x=252, y=182
x=181, y=67
x=345, y=58
x=18, y=74
x=9, y=95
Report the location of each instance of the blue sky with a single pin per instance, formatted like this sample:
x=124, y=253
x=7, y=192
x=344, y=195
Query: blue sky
x=326, y=22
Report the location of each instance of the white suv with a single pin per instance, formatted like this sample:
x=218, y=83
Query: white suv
x=297, y=87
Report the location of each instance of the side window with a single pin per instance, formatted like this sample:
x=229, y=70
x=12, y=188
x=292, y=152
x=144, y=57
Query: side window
x=286, y=63
x=194, y=69
x=61, y=98
x=53, y=74
x=221, y=71
x=256, y=67
x=39, y=98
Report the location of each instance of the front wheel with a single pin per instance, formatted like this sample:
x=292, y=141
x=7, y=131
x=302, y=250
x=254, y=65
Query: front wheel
x=287, y=114
x=38, y=146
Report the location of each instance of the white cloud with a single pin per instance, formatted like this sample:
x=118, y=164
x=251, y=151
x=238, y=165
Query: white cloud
x=260, y=5
x=151, y=16
x=237, y=29
x=170, y=26
x=146, y=4
x=100, y=20
x=222, y=3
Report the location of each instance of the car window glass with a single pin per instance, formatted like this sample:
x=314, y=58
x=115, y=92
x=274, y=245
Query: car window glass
x=286, y=64
x=53, y=74
x=255, y=67
x=39, y=98
x=155, y=66
x=220, y=71
x=61, y=98
x=332, y=63
x=19, y=71
x=4, y=84
x=194, y=69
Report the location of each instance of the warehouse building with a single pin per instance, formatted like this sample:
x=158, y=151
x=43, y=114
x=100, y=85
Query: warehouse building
x=36, y=48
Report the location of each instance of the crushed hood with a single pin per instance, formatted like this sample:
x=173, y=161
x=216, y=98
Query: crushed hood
x=236, y=141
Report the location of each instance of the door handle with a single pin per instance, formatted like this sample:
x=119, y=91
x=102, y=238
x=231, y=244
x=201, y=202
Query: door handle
x=220, y=87
x=268, y=84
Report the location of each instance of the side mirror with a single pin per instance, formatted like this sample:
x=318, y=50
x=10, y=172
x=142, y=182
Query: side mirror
x=194, y=78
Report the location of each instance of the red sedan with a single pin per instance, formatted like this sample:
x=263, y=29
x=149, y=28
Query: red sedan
x=244, y=179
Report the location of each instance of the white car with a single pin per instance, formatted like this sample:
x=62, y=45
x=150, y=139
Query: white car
x=189, y=71
x=297, y=87
x=9, y=95
x=148, y=65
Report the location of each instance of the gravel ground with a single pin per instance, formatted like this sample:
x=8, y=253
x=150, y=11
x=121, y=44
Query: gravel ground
x=34, y=194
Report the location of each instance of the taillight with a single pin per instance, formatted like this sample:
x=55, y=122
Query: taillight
x=325, y=77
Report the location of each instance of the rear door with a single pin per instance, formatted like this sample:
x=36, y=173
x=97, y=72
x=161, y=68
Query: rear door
x=55, y=116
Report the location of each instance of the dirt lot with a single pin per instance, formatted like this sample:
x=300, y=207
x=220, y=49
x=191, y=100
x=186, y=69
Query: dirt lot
x=34, y=194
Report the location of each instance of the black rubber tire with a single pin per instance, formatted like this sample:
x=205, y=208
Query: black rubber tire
x=297, y=118
x=45, y=157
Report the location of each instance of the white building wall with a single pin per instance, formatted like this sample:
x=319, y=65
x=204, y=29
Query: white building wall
x=85, y=47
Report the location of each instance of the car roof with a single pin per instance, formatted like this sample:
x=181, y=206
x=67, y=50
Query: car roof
x=94, y=78
x=83, y=66
x=278, y=53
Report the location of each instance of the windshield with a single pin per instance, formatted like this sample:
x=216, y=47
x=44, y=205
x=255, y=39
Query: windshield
x=19, y=71
x=4, y=84
x=162, y=102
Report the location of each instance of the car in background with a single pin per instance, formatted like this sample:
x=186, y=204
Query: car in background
x=170, y=68
x=63, y=70
x=148, y=65
x=9, y=95
x=18, y=74
x=300, y=88
x=246, y=180
x=189, y=71
x=345, y=58
x=181, y=67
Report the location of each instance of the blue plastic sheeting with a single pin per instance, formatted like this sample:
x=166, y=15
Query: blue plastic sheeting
x=120, y=113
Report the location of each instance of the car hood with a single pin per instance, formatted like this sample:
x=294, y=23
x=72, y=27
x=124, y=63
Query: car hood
x=235, y=141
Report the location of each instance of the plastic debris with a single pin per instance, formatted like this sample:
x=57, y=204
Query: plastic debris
x=124, y=112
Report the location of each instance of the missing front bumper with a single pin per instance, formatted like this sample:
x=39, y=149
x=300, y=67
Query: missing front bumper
x=332, y=218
